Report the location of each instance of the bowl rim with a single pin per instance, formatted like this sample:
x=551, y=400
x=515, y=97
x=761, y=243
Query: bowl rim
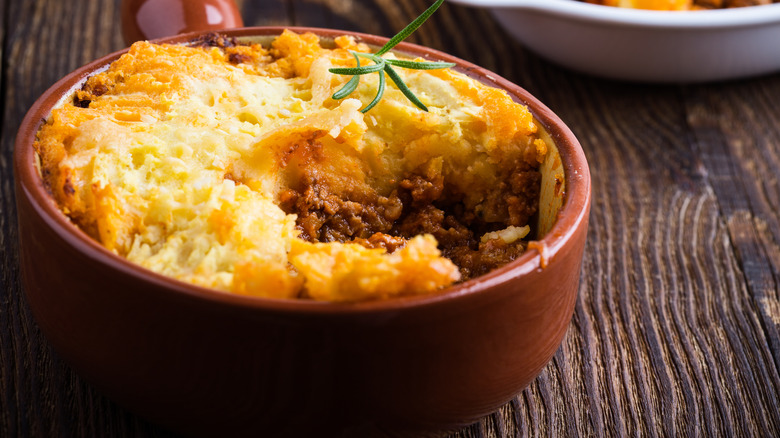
x=748, y=16
x=572, y=215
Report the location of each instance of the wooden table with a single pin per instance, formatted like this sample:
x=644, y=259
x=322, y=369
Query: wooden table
x=677, y=325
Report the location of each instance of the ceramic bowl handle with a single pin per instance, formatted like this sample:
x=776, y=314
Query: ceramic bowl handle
x=150, y=19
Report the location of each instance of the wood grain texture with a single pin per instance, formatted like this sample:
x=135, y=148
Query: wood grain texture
x=677, y=325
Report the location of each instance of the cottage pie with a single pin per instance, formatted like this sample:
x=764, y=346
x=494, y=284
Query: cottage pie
x=230, y=166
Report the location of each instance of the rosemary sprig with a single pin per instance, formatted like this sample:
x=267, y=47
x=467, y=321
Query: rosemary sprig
x=385, y=66
x=350, y=86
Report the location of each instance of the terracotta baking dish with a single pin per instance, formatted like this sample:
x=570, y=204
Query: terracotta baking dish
x=207, y=363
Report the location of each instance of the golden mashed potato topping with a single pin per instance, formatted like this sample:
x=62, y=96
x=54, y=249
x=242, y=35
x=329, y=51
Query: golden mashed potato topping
x=230, y=166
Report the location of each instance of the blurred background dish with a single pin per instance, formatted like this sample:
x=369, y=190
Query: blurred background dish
x=151, y=19
x=642, y=45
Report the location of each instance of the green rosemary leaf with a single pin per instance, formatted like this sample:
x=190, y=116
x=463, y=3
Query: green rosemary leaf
x=372, y=56
x=408, y=30
x=379, y=64
x=357, y=70
x=404, y=89
x=350, y=86
x=379, y=92
x=347, y=89
x=384, y=66
x=419, y=65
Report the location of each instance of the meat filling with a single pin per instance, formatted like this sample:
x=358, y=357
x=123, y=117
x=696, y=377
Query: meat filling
x=419, y=205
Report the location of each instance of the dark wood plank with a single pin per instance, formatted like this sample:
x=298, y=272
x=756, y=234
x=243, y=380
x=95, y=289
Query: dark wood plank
x=41, y=396
x=266, y=12
x=658, y=254
x=8, y=260
x=748, y=154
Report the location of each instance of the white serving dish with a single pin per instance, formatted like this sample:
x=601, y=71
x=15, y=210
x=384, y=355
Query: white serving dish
x=647, y=46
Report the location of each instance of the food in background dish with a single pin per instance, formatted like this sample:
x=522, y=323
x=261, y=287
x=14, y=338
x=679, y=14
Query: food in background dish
x=681, y=5
x=230, y=166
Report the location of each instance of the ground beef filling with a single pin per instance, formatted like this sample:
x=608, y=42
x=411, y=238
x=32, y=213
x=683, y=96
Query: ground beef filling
x=419, y=205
